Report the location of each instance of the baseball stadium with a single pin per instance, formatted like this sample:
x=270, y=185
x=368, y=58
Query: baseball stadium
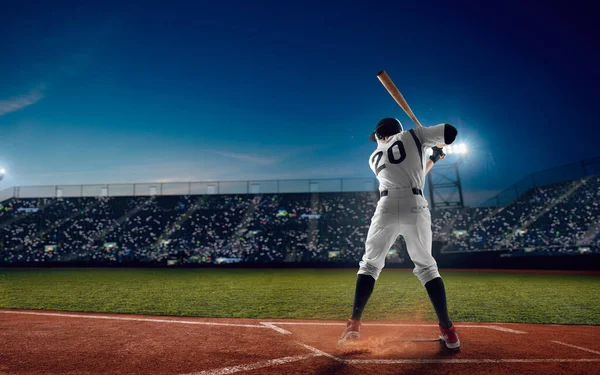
x=162, y=212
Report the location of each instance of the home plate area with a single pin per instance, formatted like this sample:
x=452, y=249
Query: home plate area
x=40, y=342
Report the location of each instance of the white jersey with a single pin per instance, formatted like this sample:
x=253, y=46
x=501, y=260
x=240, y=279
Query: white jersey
x=399, y=163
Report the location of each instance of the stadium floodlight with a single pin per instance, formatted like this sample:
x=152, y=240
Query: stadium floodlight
x=458, y=149
x=2, y=173
x=461, y=148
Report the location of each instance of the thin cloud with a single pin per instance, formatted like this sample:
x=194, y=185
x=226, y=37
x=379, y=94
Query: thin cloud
x=20, y=102
x=250, y=158
x=152, y=172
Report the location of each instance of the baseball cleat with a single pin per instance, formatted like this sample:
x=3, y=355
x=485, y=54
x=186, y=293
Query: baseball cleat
x=450, y=338
x=351, y=333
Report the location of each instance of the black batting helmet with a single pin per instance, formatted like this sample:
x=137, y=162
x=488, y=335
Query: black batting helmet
x=385, y=127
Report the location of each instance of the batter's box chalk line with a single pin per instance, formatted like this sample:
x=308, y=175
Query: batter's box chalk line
x=278, y=329
x=576, y=347
x=255, y=365
x=353, y=362
x=275, y=325
x=314, y=352
x=269, y=325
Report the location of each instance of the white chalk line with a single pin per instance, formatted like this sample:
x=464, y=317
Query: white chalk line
x=460, y=360
x=269, y=363
x=278, y=329
x=134, y=319
x=423, y=361
x=496, y=328
x=576, y=347
x=444, y=361
x=320, y=352
x=255, y=365
x=270, y=325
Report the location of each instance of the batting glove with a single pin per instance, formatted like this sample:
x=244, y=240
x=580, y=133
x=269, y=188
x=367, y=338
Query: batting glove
x=438, y=154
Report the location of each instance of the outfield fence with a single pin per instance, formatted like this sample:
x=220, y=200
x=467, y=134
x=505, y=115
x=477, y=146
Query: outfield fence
x=193, y=188
x=548, y=176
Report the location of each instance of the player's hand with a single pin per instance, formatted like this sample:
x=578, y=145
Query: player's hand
x=438, y=154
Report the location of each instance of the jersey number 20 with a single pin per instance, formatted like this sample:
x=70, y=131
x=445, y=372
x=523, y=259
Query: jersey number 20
x=376, y=159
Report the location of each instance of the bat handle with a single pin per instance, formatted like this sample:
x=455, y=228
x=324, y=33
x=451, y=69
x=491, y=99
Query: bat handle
x=416, y=121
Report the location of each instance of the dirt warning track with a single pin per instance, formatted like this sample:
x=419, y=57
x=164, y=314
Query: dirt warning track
x=47, y=342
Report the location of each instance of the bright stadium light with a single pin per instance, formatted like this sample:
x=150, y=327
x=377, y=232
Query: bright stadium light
x=458, y=149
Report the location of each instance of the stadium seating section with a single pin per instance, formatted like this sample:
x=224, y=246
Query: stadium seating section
x=309, y=227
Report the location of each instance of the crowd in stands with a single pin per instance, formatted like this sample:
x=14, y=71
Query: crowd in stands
x=192, y=229
x=559, y=218
x=303, y=227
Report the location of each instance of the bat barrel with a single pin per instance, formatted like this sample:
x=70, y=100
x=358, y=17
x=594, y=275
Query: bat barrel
x=389, y=85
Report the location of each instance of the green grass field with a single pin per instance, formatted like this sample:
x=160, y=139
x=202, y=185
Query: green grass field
x=302, y=294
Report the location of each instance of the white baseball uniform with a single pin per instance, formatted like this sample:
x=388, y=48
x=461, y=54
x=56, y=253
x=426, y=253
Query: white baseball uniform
x=399, y=164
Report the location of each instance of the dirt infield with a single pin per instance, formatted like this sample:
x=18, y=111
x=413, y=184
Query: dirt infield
x=45, y=342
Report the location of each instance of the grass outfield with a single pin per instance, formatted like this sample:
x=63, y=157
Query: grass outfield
x=302, y=294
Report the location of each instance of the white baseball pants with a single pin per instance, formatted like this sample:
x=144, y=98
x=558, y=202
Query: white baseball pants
x=400, y=213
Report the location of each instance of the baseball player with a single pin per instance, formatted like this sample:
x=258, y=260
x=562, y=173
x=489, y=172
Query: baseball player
x=398, y=162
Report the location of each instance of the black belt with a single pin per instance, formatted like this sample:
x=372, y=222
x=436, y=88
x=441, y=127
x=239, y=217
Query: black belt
x=415, y=191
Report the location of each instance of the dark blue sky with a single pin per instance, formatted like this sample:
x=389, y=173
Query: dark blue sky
x=238, y=90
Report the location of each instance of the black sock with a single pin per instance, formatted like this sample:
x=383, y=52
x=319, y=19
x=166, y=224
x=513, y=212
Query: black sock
x=437, y=295
x=364, y=288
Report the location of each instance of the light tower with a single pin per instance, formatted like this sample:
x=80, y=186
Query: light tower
x=445, y=189
x=2, y=173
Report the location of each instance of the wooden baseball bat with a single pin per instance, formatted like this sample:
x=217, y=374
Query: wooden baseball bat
x=387, y=82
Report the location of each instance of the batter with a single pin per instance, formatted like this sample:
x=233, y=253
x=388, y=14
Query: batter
x=400, y=166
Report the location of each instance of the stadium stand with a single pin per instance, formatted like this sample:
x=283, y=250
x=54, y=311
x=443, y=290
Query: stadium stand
x=555, y=218
x=560, y=218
